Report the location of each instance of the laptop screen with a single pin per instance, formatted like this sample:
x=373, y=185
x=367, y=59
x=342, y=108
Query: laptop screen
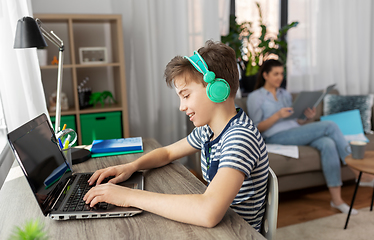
x=35, y=147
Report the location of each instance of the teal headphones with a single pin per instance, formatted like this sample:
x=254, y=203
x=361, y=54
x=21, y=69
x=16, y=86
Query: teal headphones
x=218, y=90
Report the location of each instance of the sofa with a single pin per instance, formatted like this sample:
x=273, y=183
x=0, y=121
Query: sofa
x=306, y=171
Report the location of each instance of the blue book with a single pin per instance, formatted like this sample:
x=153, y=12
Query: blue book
x=117, y=145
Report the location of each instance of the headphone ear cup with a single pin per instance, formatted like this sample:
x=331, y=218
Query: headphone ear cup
x=218, y=90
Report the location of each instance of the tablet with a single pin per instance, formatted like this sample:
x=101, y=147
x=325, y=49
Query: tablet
x=308, y=99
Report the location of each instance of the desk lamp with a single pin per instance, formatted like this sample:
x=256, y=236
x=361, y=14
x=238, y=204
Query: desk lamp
x=30, y=34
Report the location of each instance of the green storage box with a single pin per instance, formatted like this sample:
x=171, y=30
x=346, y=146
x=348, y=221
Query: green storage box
x=69, y=120
x=100, y=126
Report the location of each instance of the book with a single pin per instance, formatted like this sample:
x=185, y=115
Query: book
x=93, y=155
x=308, y=99
x=117, y=145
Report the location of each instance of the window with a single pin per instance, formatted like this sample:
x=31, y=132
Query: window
x=5, y=153
x=246, y=10
x=3, y=128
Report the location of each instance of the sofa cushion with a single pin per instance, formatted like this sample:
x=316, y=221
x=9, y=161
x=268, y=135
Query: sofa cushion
x=309, y=160
x=336, y=104
x=370, y=145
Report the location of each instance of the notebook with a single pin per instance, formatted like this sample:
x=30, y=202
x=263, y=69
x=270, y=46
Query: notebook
x=118, y=146
x=56, y=188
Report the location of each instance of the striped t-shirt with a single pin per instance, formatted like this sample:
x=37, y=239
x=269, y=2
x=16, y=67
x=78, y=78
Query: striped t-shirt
x=239, y=146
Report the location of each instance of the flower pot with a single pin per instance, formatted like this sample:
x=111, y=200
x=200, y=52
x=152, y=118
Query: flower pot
x=247, y=84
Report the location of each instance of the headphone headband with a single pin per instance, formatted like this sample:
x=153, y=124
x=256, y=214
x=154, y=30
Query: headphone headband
x=198, y=62
x=218, y=90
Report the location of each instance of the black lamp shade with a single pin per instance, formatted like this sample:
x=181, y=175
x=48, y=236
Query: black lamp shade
x=28, y=34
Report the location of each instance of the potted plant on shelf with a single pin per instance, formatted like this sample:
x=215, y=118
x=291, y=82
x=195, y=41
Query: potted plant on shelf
x=254, y=49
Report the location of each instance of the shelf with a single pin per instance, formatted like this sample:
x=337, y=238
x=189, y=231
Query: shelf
x=98, y=108
x=71, y=111
x=97, y=65
x=65, y=66
x=82, y=65
x=82, y=31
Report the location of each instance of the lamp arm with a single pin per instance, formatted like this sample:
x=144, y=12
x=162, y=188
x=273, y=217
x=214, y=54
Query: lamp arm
x=59, y=87
x=51, y=36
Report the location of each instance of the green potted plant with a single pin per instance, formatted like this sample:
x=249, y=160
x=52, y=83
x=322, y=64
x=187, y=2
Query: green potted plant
x=32, y=230
x=234, y=39
x=255, y=49
x=101, y=97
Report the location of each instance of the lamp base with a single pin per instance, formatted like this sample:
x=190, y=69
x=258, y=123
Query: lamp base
x=79, y=155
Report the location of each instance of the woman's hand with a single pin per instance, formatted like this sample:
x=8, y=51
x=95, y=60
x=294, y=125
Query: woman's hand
x=310, y=112
x=267, y=123
x=120, y=173
x=109, y=193
x=285, y=112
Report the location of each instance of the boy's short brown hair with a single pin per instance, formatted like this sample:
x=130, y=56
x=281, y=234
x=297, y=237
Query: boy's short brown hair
x=220, y=59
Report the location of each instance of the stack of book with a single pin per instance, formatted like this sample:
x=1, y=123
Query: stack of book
x=110, y=147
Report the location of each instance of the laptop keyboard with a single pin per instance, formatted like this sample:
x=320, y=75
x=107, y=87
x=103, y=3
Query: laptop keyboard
x=75, y=201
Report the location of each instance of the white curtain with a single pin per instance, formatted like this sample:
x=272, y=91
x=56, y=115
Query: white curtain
x=155, y=32
x=21, y=87
x=332, y=44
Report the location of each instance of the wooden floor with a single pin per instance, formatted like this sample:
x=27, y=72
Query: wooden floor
x=308, y=204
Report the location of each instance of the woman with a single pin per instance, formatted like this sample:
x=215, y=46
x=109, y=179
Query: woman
x=269, y=106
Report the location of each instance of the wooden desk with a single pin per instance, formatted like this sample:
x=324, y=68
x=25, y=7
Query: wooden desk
x=17, y=204
x=365, y=165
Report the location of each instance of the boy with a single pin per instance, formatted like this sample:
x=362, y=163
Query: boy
x=234, y=159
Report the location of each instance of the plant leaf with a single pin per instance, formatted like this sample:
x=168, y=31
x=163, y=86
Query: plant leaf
x=33, y=229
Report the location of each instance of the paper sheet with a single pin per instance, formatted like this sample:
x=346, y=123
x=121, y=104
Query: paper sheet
x=286, y=150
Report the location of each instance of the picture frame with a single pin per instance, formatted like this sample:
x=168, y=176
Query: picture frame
x=93, y=55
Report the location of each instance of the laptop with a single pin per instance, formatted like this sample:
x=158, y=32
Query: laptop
x=59, y=191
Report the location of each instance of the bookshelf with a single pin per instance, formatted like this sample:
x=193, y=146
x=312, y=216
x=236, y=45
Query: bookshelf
x=87, y=31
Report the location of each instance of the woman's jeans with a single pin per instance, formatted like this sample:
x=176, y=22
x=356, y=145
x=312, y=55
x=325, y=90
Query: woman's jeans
x=324, y=136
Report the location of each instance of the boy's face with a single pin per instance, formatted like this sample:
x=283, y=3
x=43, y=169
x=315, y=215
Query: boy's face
x=194, y=101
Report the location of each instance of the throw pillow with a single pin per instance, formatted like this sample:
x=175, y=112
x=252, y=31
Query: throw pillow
x=349, y=122
x=337, y=103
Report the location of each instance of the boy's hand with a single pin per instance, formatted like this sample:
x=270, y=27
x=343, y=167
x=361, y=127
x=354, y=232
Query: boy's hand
x=109, y=193
x=120, y=173
x=285, y=112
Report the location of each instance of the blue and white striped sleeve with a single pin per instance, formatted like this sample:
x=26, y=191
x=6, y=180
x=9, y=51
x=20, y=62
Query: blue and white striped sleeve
x=241, y=150
x=194, y=138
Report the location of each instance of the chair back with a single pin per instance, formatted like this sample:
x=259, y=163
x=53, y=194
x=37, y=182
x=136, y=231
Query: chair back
x=269, y=221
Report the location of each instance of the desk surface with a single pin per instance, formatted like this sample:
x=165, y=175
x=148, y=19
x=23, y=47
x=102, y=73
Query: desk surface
x=17, y=204
x=365, y=165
